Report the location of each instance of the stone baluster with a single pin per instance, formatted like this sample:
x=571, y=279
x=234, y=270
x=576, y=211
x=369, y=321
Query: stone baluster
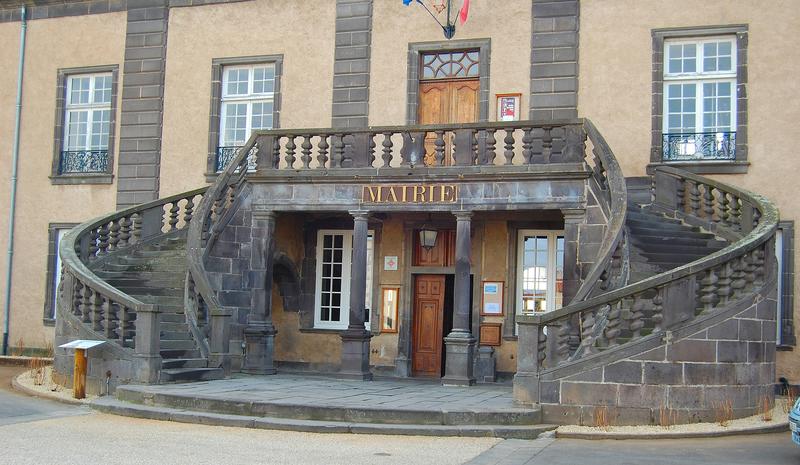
x=758, y=261
x=738, y=281
x=93, y=236
x=387, y=149
x=322, y=152
x=102, y=240
x=109, y=330
x=563, y=340
x=188, y=211
x=136, y=231
x=491, y=149
x=174, y=209
x=113, y=235
x=96, y=310
x=724, y=289
x=756, y=217
x=658, y=311
x=547, y=144
x=636, y=318
x=527, y=145
x=438, y=149
x=541, y=348
x=708, y=291
x=680, y=193
x=77, y=298
x=290, y=158
x=124, y=324
x=612, y=328
x=124, y=232
x=694, y=198
x=736, y=213
x=750, y=268
x=708, y=204
x=509, y=146
x=306, y=149
x=370, y=149
x=338, y=151
x=724, y=209
x=86, y=304
x=587, y=332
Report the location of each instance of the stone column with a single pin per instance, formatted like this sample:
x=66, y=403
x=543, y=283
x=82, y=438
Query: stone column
x=459, y=344
x=355, y=339
x=572, y=272
x=259, y=335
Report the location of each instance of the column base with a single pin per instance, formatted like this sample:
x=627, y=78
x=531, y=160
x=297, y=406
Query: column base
x=260, y=349
x=459, y=359
x=526, y=389
x=355, y=355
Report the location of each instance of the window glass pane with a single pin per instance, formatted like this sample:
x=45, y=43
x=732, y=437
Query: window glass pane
x=77, y=129
x=100, y=126
x=263, y=80
x=234, y=124
x=559, y=281
x=236, y=81
x=102, y=89
x=717, y=56
x=79, y=93
x=262, y=115
x=534, y=274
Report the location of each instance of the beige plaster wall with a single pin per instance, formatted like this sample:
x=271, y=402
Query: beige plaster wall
x=396, y=25
x=495, y=265
x=92, y=40
x=305, y=38
x=616, y=81
x=9, y=56
x=392, y=243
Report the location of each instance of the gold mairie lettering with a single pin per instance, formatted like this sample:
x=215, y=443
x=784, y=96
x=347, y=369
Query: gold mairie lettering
x=419, y=194
x=430, y=192
x=392, y=197
x=448, y=193
x=374, y=194
x=405, y=198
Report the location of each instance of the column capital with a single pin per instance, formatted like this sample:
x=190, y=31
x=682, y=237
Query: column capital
x=573, y=215
x=359, y=214
x=462, y=215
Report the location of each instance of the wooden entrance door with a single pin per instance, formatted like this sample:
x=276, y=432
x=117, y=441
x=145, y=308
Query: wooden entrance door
x=446, y=102
x=427, y=325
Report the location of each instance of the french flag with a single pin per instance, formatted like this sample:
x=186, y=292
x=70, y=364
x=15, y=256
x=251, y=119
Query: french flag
x=464, y=12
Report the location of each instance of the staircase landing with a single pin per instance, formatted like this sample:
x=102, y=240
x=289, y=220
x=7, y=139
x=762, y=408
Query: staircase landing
x=320, y=404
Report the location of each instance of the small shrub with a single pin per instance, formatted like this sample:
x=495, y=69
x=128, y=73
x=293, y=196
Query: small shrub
x=667, y=417
x=602, y=418
x=791, y=398
x=19, y=350
x=765, y=406
x=723, y=412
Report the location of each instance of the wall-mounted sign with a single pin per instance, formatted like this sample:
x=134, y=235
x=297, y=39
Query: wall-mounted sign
x=508, y=107
x=410, y=193
x=389, y=309
x=390, y=263
x=492, y=298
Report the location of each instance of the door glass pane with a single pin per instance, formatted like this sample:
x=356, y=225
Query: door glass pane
x=534, y=274
x=559, y=281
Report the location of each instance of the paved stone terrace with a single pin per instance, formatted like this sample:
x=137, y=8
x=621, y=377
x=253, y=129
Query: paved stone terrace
x=289, y=389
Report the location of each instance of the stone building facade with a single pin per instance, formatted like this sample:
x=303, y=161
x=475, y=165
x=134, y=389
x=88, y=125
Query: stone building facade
x=172, y=87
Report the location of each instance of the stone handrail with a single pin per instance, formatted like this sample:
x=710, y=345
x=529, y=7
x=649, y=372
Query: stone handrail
x=201, y=300
x=101, y=310
x=671, y=298
x=458, y=145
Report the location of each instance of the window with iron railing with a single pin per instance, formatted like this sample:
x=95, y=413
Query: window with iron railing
x=87, y=124
x=699, y=120
x=248, y=100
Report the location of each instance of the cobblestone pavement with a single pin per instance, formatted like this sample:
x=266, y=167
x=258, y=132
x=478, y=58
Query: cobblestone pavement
x=331, y=392
x=767, y=449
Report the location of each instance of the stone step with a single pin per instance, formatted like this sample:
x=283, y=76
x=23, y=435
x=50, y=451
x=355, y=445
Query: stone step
x=174, y=281
x=176, y=375
x=411, y=415
x=144, y=266
x=673, y=257
x=111, y=405
x=185, y=363
x=169, y=354
x=175, y=335
x=177, y=344
x=643, y=239
x=667, y=247
x=144, y=276
x=162, y=301
x=639, y=214
x=174, y=326
x=155, y=291
x=659, y=223
x=171, y=317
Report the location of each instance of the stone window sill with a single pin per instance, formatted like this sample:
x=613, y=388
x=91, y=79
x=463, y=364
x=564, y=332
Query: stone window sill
x=784, y=348
x=82, y=178
x=705, y=167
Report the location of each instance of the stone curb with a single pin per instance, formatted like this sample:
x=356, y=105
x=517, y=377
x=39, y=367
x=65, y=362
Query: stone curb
x=17, y=386
x=116, y=407
x=774, y=428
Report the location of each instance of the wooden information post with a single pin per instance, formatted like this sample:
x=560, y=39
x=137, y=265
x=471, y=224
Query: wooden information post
x=79, y=373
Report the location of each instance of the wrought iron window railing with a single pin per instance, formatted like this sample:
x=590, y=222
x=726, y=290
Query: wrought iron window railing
x=224, y=156
x=83, y=161
x=699, y=146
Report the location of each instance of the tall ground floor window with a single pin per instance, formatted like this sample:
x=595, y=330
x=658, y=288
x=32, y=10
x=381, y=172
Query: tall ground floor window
x=332, y=300
x=540, y=271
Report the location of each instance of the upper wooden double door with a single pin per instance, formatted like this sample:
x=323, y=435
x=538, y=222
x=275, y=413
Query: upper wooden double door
x=446, y=102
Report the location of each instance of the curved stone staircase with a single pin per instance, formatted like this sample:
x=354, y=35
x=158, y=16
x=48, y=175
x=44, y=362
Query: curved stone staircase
x=667, y=275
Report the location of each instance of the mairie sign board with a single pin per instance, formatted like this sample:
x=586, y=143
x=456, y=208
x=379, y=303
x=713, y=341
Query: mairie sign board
x=409, y=193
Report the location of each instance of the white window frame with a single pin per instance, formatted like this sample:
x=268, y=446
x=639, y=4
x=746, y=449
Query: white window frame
x=344, y=306
x=552, y=244
x=91, y=107
x=699, y=77
x=249, y=99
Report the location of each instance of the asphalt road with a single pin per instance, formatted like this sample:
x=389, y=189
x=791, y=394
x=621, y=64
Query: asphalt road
x=35, y=431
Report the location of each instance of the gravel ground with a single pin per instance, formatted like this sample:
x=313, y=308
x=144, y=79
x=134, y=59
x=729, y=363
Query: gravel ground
x=100, y=439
